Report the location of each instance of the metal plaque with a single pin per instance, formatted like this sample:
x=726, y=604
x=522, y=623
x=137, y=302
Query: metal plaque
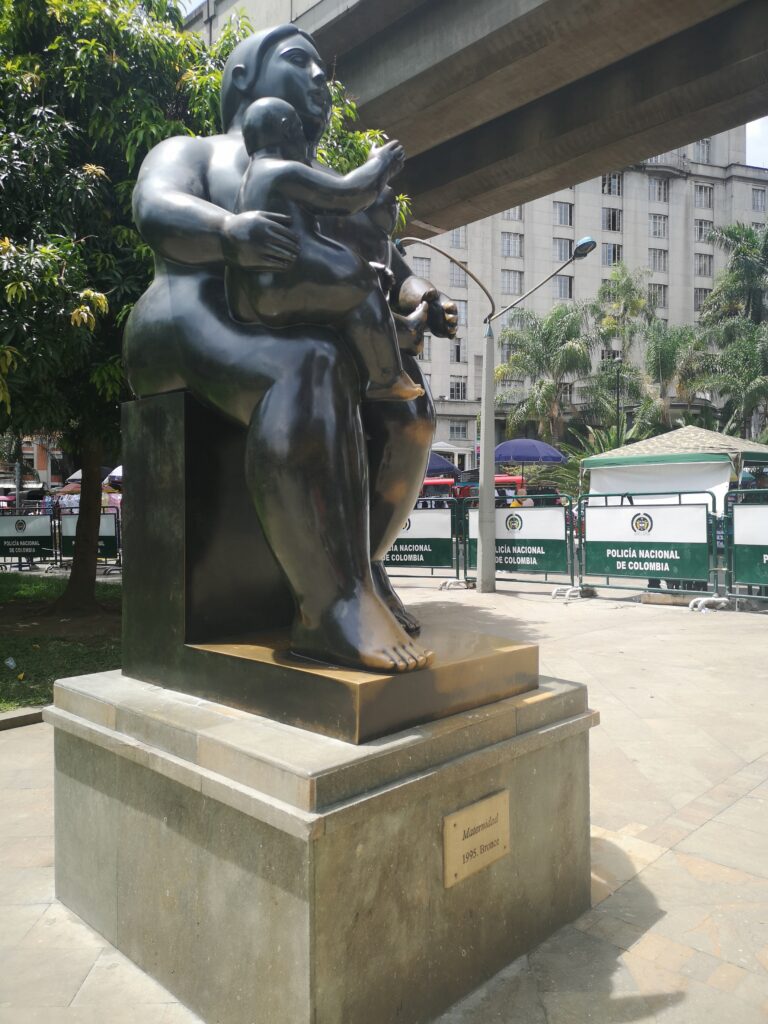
x=475, y=837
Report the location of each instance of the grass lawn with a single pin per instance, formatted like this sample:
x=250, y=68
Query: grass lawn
x=44, y=646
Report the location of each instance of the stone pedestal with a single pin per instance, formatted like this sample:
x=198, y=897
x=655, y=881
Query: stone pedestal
x=268, y=875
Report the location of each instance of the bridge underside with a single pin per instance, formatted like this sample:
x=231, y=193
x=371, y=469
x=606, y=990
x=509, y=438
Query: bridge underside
x=501, y=101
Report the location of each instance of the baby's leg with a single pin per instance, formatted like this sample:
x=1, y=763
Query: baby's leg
x=371, y=332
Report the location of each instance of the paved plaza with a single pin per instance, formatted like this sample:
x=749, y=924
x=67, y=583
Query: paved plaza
x=678, y=931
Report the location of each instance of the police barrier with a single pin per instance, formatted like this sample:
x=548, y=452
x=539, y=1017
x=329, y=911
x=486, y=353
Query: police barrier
x=26, y=536
x=427, y=539
x=635, y=536
x=109, y=534
x=746, y=532
x=530, y=539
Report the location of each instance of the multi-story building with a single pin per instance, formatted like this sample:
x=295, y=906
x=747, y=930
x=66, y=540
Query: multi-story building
x=656, y=215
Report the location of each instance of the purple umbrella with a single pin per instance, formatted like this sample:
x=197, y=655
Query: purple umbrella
x=527, y=449
x=439, y=466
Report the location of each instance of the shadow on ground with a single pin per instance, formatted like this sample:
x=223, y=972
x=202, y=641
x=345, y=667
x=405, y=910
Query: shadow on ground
x=580, y=974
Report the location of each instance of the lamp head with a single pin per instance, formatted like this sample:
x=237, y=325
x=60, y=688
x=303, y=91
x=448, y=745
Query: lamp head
x=584, y=247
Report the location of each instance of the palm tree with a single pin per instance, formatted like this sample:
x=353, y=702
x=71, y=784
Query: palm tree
x=675, y=358
x=741, y=289
x=739, y=371
x=622, y=310
x=547, y=351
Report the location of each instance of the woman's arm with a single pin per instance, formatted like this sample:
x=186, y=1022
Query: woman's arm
x=180, y=224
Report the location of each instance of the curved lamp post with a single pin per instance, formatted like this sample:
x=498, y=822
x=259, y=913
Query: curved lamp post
x=486, y=527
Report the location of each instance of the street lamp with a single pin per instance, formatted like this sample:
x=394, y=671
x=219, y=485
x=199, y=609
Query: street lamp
x=486, y=526
x=486, y=513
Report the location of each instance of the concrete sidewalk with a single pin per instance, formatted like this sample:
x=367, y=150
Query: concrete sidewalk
x=679, y=927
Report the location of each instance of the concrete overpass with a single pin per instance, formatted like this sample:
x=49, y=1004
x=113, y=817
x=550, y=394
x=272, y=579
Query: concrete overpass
x=501, y=101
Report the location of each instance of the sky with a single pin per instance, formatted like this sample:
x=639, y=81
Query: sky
x=757, y=143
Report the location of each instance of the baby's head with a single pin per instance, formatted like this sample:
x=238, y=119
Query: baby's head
x=272, y=123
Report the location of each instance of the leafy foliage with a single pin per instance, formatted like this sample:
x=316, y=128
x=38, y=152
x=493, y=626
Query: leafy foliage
x=546, y=351
x=741, y=290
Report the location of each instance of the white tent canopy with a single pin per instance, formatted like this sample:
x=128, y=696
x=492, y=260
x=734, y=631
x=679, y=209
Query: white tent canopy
x=689, y=459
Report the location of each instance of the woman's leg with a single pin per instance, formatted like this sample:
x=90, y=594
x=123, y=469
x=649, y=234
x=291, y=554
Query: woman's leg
x=306, y=469
x=400, y=437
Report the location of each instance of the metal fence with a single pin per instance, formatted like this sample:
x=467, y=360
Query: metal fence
x=34, y=538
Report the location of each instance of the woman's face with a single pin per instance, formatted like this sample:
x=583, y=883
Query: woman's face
x=294, y=73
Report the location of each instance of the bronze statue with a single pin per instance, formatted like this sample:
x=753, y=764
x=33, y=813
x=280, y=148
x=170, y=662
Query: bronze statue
x=332, y=476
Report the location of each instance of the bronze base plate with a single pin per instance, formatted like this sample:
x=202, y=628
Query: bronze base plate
x=260, y=674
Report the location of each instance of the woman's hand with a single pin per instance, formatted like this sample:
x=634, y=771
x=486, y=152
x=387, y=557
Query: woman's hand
x=259, y=241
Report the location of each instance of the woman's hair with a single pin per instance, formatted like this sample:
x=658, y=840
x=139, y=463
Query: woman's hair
x=251, y=53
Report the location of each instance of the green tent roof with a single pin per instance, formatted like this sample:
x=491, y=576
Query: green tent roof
x=686, y=444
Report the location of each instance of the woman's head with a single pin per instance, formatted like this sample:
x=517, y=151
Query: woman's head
x=281, y=62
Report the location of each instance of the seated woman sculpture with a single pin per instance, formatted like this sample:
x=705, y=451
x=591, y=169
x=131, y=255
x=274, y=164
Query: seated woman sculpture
x=332, y=477
x=328, y=284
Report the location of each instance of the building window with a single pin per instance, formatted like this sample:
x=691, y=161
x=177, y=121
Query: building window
x=563, y=286
x=613, y=184
x=658, y=190
x=699, y=297
x=458, y=277
x=611, y=218
x=426, y=352
x=701, y=229
x=657, y=296
x=511, y=282
x=563, y=213
x=758, y=200
x=565, y=392
x=758, y=225
x=702, y=264
x=511, y=244
x=658, y=225
x=612, y=254
x=422, y=267
x=458, y=350
x=658, y=259
x=461, y=309
x=459, y=238
x=562, y=249
x=702, y=196
x=701, y=151
x=609, y=355
x=457, y=430
x=513, y=213
x=458, y=389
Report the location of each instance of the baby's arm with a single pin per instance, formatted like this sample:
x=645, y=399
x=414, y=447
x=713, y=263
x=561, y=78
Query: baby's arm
x=320, y=192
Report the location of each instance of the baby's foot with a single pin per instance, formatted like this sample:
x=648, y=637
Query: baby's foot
x=402, y=389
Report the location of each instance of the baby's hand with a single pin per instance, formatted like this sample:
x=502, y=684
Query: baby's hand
x=391, y=155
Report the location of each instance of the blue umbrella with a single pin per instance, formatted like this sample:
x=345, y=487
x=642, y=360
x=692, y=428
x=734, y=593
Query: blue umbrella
x=527, y=449
x=439, y=466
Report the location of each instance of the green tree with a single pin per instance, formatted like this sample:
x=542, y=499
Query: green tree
x=738, y=372
x=596, y=440
x=740, y=290
x=675, y=358
x=547, y=351
x=87, y=87
x=621, y=310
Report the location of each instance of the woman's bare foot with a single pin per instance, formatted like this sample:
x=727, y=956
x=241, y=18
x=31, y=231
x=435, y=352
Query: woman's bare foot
x=388, y=595
x=402, y=389
x=360, y=631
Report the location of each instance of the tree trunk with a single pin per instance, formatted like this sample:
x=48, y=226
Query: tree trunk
x=80, y=593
